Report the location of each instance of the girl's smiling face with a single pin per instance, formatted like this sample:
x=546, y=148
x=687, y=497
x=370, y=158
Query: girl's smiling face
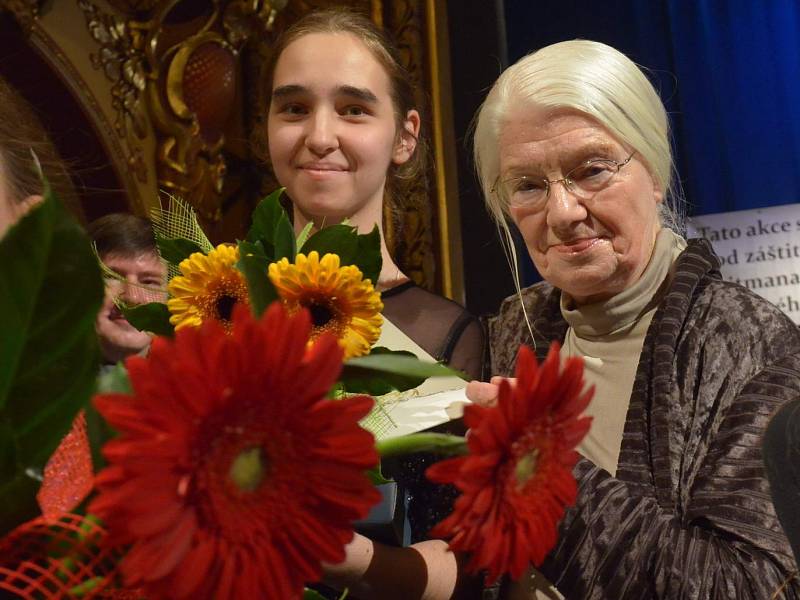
x=333, y=130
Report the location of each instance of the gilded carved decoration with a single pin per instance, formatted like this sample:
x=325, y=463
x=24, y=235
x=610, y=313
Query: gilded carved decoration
x=121, y=59
x=180, y=65
x=24, y=11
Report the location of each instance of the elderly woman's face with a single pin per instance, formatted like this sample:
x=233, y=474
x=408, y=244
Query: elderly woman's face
x=590, y=247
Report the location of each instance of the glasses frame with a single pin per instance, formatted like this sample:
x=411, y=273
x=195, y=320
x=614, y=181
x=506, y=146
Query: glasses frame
x=566, y=181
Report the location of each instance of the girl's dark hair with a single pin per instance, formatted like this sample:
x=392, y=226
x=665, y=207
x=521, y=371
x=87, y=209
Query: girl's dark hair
x=22, y=136
x=122, y=234
x=401, y=179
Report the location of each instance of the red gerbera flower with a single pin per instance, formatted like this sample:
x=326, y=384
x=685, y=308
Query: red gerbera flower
x=517, y=478
x=233, y=475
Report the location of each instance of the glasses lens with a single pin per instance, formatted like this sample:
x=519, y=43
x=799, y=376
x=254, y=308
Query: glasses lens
x=525, y=191
x=593, y=176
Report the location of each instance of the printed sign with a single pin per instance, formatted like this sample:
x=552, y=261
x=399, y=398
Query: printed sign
x=759, y=249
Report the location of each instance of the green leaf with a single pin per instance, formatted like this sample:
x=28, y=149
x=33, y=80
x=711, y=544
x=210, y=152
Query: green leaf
x=113, y=379
x=336, y=239
x=309, y=594
x=253, y=263
x=438, y=443
x=303, y=236
x=174, y=250
x=376, y=476
x=152, y=317
x=384, y=371
x=368, y=256
x=50, y=292
x=271, y=226
x=265, y=217
x=361, y=250
x=86, y=587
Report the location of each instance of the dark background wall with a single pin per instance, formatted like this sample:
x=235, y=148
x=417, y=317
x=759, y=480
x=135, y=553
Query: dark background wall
x=478, y=56
x=728, y=72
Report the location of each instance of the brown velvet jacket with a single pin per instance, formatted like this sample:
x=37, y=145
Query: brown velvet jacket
x=688, y=514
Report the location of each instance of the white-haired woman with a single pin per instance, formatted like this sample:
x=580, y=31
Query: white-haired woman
x=572, y=145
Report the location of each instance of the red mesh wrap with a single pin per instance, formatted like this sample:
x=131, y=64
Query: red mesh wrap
x=46, y=560
x=68, y=474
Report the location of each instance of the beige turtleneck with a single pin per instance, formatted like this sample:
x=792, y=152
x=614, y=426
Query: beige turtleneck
x=609, y=336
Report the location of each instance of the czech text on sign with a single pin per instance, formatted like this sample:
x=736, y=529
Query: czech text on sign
x=759, y=249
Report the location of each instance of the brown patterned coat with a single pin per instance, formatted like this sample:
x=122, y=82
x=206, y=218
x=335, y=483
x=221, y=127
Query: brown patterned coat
x=688, y=514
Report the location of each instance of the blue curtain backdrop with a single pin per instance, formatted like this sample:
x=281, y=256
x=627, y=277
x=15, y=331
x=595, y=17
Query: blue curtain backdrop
x=727, y=70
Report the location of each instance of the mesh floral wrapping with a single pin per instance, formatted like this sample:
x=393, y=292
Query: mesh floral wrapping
x=64, y=558
x=68, y=475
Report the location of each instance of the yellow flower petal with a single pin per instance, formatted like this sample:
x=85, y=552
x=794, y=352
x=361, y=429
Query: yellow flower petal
x=339, y=299
x=208, y=288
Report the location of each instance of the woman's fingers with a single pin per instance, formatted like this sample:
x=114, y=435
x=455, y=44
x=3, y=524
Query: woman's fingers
x=482, y=393
x=485, y=394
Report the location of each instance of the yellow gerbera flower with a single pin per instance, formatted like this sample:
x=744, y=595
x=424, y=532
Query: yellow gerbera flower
x=208, y=288
x=339, y=299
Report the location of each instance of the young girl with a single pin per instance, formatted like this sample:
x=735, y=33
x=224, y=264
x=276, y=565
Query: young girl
x=344, y=137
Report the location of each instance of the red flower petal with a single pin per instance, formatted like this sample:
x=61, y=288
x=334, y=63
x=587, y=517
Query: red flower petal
x=517, y=480
x=201, y=524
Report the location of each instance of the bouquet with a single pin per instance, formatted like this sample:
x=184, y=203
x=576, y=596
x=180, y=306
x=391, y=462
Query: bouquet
x=233, y=460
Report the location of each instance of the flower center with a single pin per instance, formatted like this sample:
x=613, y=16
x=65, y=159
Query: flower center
x=321, y=314
x=224, y=307
x=526, y=466
x=249, y=468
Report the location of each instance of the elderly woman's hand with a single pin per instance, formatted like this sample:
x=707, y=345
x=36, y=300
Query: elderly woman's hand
x=485, y=394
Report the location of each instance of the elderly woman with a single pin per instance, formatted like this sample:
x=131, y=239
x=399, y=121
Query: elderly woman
x=572, y=145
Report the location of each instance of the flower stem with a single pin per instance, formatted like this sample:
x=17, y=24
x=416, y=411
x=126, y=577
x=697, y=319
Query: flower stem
x=439, y=443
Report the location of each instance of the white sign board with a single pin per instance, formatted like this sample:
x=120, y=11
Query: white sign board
x=759, y=249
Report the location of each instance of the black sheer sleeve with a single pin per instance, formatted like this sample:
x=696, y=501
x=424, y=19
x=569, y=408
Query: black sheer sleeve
x=446, y=331
x=441, y=327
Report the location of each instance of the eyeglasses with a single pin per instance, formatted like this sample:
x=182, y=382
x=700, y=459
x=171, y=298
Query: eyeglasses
x=584, y=181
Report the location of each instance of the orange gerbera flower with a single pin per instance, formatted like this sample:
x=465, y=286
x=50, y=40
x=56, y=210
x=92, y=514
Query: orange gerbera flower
x=233, y=475
x=517, y=478
x=340, y=301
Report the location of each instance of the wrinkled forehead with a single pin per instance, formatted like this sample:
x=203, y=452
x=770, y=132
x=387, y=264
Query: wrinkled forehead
x=544, y=137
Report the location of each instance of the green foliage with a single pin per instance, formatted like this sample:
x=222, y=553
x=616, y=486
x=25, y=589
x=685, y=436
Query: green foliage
x=336, y=239
x=272, y=228
x=438, y=443
x=50, y=292
x=253, y=264
x=112, y=380
x=368, y=257
x=152, y=317
x=361, y=250
x=384, y=371
x=303, y=235
x=174, y=250
x=376, y=476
